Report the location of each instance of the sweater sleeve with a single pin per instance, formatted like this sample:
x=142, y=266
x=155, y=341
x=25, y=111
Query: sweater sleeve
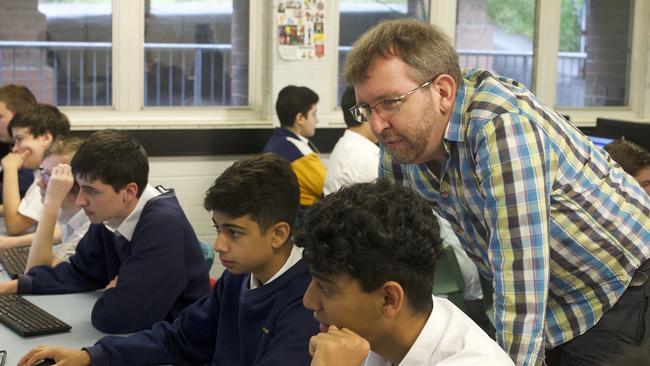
x=86, y=270
x=190, y=338
x=150, y=279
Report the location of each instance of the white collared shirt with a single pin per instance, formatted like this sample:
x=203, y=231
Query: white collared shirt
x=127, y=227
x=73, y=228
x=294, y=257
x=354, y=159
x=32, y=205
x=449, y=338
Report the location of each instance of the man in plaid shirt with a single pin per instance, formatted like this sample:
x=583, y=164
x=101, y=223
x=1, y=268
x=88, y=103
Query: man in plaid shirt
x=562, y=231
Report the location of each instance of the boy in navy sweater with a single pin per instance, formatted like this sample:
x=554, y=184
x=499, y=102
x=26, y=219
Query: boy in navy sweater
x=254, y=315
x=139, y=247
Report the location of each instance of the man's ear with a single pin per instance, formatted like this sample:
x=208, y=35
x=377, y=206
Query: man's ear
x=393, y=299
x=47, y=138
x=299, y=120
x=446, y=88
x=280, y=234
x=131, y=191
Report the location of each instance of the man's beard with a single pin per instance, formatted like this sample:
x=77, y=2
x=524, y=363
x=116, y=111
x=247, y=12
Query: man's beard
x=413, y=141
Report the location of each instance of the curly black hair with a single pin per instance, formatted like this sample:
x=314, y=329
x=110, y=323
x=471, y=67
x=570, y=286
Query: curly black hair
x=374, y=232
x=263, y=186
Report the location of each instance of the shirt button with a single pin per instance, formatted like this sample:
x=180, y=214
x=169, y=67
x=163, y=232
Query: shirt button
x=445, y=195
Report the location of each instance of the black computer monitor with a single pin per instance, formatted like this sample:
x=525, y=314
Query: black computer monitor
x=600, y=141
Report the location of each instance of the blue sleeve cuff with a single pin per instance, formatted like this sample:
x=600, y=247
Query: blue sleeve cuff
x=97, y=355
x=25, y=284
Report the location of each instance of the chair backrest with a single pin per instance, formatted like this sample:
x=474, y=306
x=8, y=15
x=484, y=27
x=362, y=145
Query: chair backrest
x=447, y=279
x=208, y=254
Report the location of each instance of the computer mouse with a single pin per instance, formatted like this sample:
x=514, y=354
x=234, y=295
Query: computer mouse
x=45, y=362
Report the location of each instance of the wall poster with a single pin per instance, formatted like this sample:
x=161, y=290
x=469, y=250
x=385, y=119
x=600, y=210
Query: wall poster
x=300, y=29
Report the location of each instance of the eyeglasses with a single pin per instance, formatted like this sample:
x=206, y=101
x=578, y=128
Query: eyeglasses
x=45, y=174
x=3, y=357
x=385, y=108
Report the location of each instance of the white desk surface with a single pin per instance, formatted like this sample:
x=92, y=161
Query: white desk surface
x=73, y=309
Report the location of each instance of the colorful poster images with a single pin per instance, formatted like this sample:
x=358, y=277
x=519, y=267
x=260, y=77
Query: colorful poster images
x=300, y=29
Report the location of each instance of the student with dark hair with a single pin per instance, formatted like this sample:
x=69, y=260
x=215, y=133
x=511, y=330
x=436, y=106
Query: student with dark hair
x=355, y=156
x=634, y=159
x=33, y=131
x=14, y=99
x=58, y=194
x=140, y=247
x=254, y=315
x=371, y=249
x=296, y=109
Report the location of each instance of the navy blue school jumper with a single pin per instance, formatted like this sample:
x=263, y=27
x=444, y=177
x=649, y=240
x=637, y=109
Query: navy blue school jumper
x=233, y=326
x=161, y=271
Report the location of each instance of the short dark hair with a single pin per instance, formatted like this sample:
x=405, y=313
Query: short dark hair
x=17, y=98
x=114, y=157
x=293, y=100
x=40, y=119
x=348, y=100
x=374, y=232
x=424, y=47
x=263, y=186
x=630, y=156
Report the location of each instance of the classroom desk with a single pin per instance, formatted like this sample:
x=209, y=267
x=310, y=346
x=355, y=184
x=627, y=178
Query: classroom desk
x=73, y=309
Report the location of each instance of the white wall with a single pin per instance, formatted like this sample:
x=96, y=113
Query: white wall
x=191, y=177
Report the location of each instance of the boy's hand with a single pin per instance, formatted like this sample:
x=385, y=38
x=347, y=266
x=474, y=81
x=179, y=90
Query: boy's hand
x=341, y=347
x=15, y=161
x=61, y=181
x=113, y=283
x=62, y=356
x=9, y=287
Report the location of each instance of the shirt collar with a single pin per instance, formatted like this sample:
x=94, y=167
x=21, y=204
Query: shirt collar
x=455, y=128
x=74, y=220
x=427, y=341
x=294, y=257
x=127, y=227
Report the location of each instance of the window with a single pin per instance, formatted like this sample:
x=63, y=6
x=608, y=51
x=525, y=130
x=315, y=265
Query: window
x=196, y=53
x=594, y=53
x=59, y=49
x=357, y=16
x=497, y=35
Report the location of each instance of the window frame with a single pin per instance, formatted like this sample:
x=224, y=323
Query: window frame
x=546, y=46
x=128, y=109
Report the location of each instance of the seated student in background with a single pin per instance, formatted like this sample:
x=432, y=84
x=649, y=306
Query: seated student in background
x=58, y=193
x=254, y=316
x=634, y=159
x=13, y=99
x=140, y=246
x=355, y=157
x=296, y=109
x=33, y=131
x=371, y=249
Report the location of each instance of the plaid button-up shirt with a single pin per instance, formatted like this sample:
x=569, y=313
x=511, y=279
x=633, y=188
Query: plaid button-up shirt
x=558, y=226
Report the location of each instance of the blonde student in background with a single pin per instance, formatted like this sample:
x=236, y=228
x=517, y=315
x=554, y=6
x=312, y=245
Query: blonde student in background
x=58, y=192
